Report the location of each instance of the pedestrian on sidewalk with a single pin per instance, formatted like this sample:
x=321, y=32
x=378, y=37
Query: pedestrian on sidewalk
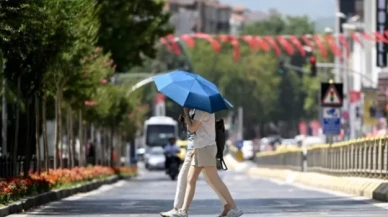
x=203, y=158
x=182, y=177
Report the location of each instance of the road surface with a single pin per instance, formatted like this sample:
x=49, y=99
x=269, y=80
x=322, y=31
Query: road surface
x=153, y=192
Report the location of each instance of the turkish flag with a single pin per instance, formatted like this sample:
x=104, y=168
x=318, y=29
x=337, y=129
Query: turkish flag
x=355, y=96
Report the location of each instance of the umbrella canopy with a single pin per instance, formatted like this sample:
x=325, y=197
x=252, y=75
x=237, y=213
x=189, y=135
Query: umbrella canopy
x=192, y=91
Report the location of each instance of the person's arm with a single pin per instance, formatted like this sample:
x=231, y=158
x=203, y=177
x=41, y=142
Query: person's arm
x=193, y=125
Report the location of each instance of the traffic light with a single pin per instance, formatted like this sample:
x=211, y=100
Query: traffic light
x=313, y=66
x=281, y=68
x=372, y=111
x=358, y=113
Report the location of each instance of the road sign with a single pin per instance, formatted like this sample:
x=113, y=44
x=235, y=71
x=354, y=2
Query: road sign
x=332, y=94
x=331, y=120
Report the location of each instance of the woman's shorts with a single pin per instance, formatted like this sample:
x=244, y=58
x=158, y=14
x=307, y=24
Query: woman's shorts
x=205, y=157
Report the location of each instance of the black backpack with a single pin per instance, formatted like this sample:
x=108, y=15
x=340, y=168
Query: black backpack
x=220, y=141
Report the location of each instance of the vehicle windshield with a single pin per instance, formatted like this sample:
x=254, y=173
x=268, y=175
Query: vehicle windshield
x=157, y=152
x=158, y=135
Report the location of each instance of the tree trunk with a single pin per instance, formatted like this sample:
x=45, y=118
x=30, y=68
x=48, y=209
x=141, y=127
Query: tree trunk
x=16, y=141
x=81, y=139
x=37, y=142
x=106, y=146
x=98, y=146
x=60, y=132
x=44, y=132
x=70, y=137
x=27, y=156
x=85, y=142
x=56, y=133
x=58, y=150
x=112, y=136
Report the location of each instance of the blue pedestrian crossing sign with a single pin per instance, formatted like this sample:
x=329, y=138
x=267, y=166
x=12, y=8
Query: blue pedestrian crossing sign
x=331, y=120
x=239, y=144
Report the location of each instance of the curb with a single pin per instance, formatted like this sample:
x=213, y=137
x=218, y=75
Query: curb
x=54, y=195
x=376, y=189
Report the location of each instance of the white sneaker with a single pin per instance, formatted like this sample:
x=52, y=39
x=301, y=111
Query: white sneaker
x=168, y=213
x=180, y=213
x=236, y=212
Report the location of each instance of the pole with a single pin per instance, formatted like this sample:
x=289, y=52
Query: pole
x=240, y=134
x=337, y=32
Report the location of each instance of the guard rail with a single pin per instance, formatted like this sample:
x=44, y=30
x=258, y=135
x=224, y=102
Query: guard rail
x=367, y=157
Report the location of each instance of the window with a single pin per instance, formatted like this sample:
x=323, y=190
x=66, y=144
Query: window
x=158, y=135
x=360, y=9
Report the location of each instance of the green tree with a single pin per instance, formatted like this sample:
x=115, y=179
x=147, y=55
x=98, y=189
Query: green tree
x=129, y=29
x=292, y=92
x=27, y=43
x=76, y=26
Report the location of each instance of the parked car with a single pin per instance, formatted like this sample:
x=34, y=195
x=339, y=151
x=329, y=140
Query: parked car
x=289, y=142
x=155, y=159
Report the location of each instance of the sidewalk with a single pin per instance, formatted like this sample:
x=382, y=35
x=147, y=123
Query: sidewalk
x=366, y=187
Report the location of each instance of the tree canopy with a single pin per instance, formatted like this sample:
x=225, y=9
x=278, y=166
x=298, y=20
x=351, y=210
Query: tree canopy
x=129, y=30
x=60, y=57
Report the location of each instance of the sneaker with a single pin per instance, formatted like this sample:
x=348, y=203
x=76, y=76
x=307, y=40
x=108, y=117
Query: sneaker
x=180, y=213
x=168, y=213
x=236, y=212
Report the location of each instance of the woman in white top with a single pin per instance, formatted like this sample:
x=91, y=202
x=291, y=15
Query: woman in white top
x=204, y=158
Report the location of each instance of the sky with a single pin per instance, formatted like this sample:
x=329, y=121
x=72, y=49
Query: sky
x=312, y=8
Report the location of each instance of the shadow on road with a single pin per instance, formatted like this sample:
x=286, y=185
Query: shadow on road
x=201, y=207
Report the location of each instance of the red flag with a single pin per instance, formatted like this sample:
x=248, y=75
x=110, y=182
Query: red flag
x=368, y=37
x=295, y=41
x=250, y=40
x=380, y=37
x=235, y=43
x=174, y=44
x=236, y=50
x=286, y=45
x=356, y=38
x=274, y=45
x=333, y=46
x=216, y=46
x=164, y=41
x=188, y=40
x=344, y=42
x=262, y=43
x=320, y=46
x=307, y=41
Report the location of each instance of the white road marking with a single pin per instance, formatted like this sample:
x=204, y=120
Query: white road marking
x=100, y=190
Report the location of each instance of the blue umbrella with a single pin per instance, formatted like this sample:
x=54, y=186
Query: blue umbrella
x=192, y=91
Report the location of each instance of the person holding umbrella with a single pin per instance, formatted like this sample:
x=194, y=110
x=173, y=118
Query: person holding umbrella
x=203, y=158
x=193, y=91
x=182, y=177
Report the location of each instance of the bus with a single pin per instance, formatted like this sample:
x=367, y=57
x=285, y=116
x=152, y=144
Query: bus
x=156, y=132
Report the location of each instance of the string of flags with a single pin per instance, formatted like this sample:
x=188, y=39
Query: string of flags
x=290, y=44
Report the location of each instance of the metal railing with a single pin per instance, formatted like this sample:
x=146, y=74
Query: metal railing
x=366, y=157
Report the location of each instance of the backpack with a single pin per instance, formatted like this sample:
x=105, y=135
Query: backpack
x=220, y=141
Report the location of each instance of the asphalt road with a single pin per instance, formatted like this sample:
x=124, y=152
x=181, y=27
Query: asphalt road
x=153, y=192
